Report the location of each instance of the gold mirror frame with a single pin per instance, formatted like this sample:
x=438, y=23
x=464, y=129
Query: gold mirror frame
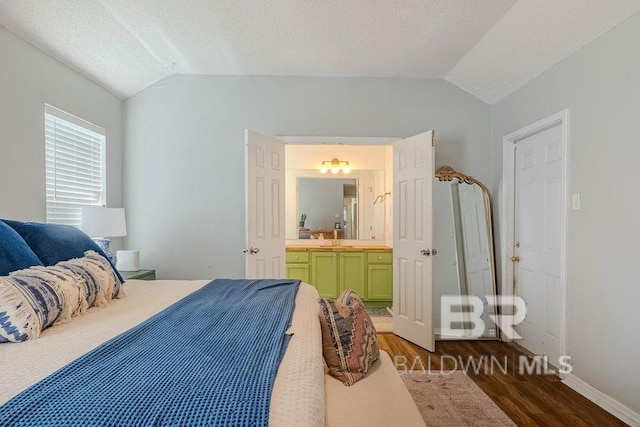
x=447, y=173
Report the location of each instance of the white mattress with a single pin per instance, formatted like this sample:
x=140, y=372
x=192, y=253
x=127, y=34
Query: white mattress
x=298, y=394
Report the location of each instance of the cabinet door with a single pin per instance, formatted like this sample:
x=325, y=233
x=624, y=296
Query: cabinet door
x=298, y=271
x=380, y=282
x=324, y=273
x=352, y=273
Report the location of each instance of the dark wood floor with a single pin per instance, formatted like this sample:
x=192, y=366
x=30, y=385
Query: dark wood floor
x=529, y=400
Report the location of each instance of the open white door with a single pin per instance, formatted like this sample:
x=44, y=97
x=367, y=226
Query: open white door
x=264, y=205
x=413, y=165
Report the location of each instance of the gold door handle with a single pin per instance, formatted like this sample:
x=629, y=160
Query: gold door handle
x=515, y=258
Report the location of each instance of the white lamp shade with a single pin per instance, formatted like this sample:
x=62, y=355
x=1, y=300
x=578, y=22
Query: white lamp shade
x=104, y=222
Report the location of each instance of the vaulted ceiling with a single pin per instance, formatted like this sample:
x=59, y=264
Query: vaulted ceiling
x=487, y=47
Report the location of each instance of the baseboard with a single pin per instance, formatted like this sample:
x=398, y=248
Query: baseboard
x=604, y=401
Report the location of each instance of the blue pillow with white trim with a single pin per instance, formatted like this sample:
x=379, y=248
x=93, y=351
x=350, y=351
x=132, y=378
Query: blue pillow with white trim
x=53, y=243
x=15, y=253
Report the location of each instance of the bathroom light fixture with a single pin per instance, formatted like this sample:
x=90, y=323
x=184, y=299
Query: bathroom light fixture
x=334, y=165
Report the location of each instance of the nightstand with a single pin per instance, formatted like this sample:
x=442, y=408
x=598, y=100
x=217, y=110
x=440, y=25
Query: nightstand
x=139, y=275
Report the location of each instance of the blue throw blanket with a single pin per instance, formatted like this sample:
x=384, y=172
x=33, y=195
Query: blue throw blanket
x=208, y=360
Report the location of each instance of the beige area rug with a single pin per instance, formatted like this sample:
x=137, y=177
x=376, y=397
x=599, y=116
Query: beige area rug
x=381, y=318
x=383, y=324
x=453, y=400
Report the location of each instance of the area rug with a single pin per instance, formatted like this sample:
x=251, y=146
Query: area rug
x=381, y=318
x=453, y=400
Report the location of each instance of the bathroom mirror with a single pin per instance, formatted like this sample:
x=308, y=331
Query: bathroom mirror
x=464, y=265
x=328, y=204
x=342, y=202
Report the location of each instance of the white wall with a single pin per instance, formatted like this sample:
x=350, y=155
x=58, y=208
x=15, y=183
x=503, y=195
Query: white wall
x=184, y=155
x=600, y=84
x=28, y=80
x=368, y=157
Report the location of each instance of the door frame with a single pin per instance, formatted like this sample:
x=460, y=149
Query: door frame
x=507, y=211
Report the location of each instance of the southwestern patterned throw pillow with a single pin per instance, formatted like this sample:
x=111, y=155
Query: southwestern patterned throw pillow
x=349, y=342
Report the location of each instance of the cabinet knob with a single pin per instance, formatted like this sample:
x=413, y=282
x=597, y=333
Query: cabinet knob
x=296, y=257
x=380, y=257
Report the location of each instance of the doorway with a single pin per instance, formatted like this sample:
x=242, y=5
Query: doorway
x=413, y=170
x=534, y=231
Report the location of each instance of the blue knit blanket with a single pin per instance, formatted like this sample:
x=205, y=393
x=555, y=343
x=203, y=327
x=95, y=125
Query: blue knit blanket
x=208, y=360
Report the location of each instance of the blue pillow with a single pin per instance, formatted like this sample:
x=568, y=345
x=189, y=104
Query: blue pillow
x=15, y=253
x=53, y=243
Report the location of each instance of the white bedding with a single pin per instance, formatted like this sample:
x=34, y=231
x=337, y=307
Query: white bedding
x=298, y=394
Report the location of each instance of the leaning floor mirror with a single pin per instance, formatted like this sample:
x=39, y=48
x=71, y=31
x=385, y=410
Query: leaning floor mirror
x=464, y=269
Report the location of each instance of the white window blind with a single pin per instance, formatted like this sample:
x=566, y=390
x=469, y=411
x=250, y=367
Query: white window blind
x=75, y=166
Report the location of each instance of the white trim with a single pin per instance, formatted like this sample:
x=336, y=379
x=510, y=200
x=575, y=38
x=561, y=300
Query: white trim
x=507, y=210
x=604, y=401
x=339, y=140
x=50, y=109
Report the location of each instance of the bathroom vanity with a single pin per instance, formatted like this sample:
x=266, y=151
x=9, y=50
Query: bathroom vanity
x=331, y=269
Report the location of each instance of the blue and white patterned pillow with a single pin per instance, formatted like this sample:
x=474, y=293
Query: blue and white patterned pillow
x=27, y=306
x=100, y=281
x=35, y=298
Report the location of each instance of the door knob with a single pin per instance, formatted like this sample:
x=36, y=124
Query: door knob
x=425, y=252
x=434, y=252
x=251, y=250
x=515, y=258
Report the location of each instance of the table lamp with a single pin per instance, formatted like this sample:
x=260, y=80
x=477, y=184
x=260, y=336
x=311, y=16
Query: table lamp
x=100, y=223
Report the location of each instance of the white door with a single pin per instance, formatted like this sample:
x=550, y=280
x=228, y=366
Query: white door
x=412, y=239
x=538, y=239
x=264, y=205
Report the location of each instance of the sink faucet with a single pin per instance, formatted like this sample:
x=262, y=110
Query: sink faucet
x=335, y=237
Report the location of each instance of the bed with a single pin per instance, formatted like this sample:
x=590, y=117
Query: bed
x=52, y=273
x=298, y=392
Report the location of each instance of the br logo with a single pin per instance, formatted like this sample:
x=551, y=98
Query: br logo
x=468, y=309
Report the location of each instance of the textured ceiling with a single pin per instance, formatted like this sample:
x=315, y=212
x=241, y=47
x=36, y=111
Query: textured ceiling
x=487, y=47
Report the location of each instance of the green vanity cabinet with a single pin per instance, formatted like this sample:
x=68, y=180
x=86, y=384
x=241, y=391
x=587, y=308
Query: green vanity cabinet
x=368, y=272
x=380, y=282
x=324, y=273
x=298, y=266
x=351, y=272
x=379, y=276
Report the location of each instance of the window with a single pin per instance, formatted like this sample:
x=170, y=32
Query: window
x=75, y=166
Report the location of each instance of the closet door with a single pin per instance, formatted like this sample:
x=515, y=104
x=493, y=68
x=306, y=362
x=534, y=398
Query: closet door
x=413, y=170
